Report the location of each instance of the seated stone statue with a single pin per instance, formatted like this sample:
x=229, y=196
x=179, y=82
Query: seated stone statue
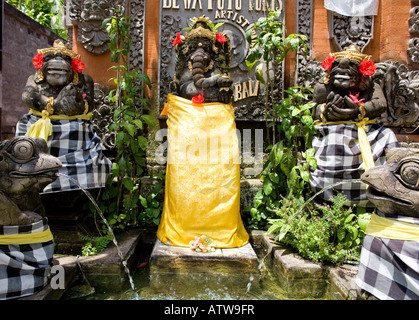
x=349, y=139
x=389, y=263
x=26, y=242
x=202, y=64
x=60, y=99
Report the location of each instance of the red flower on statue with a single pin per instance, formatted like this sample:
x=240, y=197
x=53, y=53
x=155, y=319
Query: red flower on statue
x=221, y=38
x=367, y=68
x=176, y=40
x=77, y=65
x=327, y=63
x=38, y=61
x=198, y=99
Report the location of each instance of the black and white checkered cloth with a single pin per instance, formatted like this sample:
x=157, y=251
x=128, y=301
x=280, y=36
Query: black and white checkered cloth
x=389, y=268
x=79, y=149
x=339, y=158
x=24, y=268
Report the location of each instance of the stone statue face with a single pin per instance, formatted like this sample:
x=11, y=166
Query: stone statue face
x=95, y=10
x=58, y=72
x=344, y=74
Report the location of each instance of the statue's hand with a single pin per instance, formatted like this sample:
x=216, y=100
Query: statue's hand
x=224, y=96
x=224, y=81
x=339, y=109
x=69, y=101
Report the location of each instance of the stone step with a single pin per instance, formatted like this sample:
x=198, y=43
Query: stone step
x=172, y=267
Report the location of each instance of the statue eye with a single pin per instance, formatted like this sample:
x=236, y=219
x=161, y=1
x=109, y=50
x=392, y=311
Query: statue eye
x=23, y=150
x=409, y=173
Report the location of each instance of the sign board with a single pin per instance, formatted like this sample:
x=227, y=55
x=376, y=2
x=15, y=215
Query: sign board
x=237, y=16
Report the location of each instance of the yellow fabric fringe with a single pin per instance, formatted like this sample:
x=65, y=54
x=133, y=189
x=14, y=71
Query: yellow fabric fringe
x=26, y=238
x=362, y=138
x=391, y=229
x=203, y=176
x=43, y=127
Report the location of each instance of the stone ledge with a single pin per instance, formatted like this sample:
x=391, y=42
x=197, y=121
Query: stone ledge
x=304, y=279
x=166, y=259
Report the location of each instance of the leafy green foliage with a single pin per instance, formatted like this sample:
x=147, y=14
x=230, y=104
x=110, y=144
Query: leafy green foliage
x=286, y=172
x=49, y=13
x=325, y=233
x=94, y=245
x=120, y=200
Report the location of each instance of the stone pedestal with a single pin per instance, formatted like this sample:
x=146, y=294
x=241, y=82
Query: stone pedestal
x=182, y=271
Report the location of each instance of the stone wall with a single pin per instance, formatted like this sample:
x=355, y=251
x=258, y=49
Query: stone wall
x=22, y=36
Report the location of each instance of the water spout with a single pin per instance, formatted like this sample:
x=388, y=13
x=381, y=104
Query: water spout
x=87, y=193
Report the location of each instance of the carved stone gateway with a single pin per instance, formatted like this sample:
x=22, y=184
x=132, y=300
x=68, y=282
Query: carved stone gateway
x=237, y=17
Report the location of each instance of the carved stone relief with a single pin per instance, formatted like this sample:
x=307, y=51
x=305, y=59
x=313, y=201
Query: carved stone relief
x=88, y=16
x=413, y=50
x=304, y=27
x=350, y=30
x=102, y=117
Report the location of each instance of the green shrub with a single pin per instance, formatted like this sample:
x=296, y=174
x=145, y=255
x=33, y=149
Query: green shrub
x=330, y=233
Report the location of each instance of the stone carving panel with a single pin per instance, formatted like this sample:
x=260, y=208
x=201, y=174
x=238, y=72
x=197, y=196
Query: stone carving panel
x=238, y=16
x=413, y=49
x=102, y=116
x=346, y=31
x=304, y=27
x=88, y=15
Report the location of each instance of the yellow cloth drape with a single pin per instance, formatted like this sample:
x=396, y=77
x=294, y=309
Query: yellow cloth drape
x=391, y=229
x=362, y=138
x=43, y=127
x=202, y=195
x=26, y=238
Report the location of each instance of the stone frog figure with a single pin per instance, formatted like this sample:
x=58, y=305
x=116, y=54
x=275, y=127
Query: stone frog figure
x=60, y=101
x=349, y=138
x=26, y=242
x=389, y=261
x=202, y=64
x=25, y=169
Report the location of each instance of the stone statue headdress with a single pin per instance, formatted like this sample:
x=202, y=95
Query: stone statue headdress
x=366, y=66
x=59, y=47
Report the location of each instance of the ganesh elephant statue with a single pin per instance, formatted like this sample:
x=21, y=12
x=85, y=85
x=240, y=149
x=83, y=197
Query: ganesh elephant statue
x=202, y=64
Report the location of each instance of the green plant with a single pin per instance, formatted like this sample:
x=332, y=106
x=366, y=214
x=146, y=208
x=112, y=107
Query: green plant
x=152, y=204
x=120, y=199
x=94, y=245
x=330, y=233
x=286, y=172
x=267, y=52
x=49, y=13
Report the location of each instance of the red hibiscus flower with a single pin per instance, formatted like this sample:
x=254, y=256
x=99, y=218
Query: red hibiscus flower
x=367, y=68
x=327, y=63
x=198, y=99
x=77, y=65
x=176, y=40
x=221, y=38
x=38, y=61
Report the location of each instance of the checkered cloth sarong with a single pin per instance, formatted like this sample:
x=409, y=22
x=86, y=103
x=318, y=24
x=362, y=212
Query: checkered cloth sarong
x=339, y=158
x=24, y=268
x=389, y=268
x=79, y=149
